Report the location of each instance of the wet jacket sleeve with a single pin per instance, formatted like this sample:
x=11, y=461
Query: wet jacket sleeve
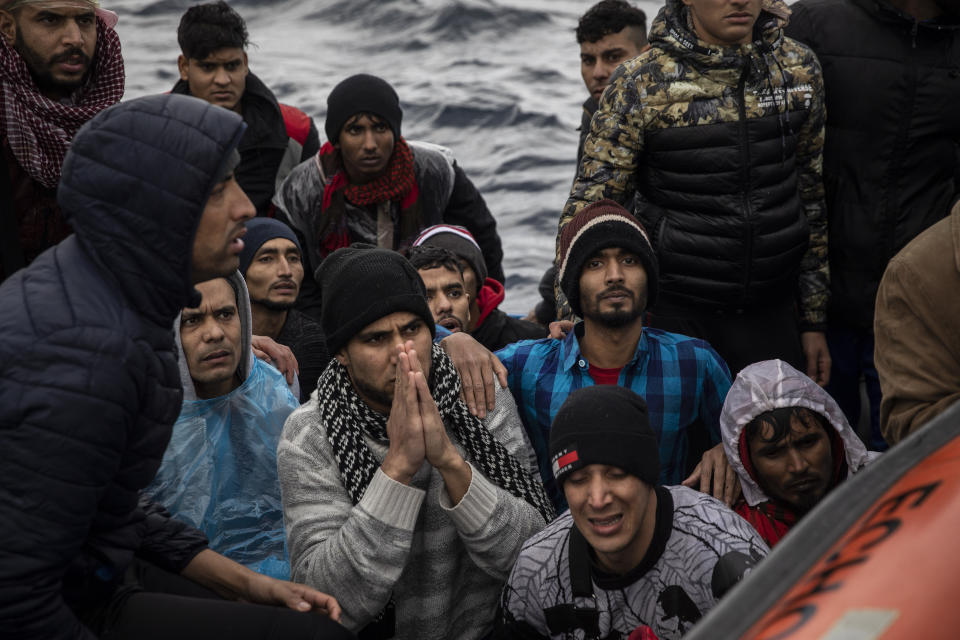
x=814, y=281
x=468, y=209
x=65, y=416
x=167, y=542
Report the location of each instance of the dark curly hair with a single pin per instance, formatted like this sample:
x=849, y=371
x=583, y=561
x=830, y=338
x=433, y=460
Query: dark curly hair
x=206, y=28
x=610, y=16
x=433, y=257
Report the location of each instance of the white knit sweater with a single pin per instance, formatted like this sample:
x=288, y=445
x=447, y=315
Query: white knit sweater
x=443, y=565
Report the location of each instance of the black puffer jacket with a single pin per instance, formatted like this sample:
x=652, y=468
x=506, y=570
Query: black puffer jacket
x=722, y=147
x=89, y=385
x=891, y=163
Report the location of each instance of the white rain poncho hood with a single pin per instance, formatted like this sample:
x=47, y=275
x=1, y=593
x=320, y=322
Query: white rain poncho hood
x=774, y=384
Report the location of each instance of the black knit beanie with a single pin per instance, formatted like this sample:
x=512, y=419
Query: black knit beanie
x=604, y=424
x=361, y=284
x=362, y=93
x=459, y=241
x=602, y=225
x=259, y=231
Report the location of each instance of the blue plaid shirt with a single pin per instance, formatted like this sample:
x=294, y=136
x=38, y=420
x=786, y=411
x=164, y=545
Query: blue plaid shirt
x=682, y=379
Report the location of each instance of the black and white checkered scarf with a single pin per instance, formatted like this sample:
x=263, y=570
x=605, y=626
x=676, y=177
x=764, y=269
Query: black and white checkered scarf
x=347, y=418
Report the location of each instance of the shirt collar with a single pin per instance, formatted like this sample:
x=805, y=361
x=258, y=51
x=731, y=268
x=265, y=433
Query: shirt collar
x=572, y=357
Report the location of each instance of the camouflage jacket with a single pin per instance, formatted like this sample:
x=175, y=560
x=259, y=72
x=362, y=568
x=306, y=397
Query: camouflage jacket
x=722, y=148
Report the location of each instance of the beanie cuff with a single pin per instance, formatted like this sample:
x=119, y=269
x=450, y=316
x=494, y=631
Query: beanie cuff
x=636, y=454
x=414, y=303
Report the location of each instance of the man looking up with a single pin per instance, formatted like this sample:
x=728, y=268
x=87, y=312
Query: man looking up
x=609, y=273
x=716, y=134
x=442, y=277
x=488, y=325
x=394, y=496
x=219, y=472
x=272, y=265
x=789, y=443
x=60, y=65
x=213, y=66
x=368, y=184
x=661, y=557
x=610, y=32
x=90, y=391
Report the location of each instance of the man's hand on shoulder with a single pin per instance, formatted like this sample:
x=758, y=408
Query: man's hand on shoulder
x=276, y=354
x=479, y=370
x=714, y=476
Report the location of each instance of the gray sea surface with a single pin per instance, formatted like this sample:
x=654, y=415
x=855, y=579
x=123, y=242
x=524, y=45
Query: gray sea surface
x=497, y=81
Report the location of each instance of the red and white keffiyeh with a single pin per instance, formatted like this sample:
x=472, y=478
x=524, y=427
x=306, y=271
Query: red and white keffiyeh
x=39, y=129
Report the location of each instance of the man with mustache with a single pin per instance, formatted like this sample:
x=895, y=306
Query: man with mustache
x=609, y=273
x=219, y=472
x=60, y=65
x=442, y=276
x=369, y=184
x=789, y=443
x=90, y=392
x=716, y=135
x=488, y=325
x=272, y=265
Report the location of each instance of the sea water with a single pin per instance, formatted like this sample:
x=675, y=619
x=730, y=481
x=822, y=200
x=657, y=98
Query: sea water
x=497, y=81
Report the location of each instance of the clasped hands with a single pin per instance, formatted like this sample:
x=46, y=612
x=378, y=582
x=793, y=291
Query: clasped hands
x=417, y=432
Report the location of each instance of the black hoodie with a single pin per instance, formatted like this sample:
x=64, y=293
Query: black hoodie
x=89, y=385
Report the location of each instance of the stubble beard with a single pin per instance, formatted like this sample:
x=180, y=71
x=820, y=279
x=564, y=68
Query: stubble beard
x=40, y=68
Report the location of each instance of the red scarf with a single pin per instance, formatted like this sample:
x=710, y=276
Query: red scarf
x=39, y=129
x=398, y=182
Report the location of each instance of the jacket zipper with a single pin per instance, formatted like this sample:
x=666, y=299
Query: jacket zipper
x=745, y=179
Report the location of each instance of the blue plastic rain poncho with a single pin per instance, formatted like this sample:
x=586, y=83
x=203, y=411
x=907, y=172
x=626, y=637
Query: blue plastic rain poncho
x=219, y=472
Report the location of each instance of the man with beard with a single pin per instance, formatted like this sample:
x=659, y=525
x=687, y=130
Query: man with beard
x=789, y=443
x=60, y=65
x=609, y=273
x=394, y=496
x=442, y=275
x=369, y=184
x=272, y=265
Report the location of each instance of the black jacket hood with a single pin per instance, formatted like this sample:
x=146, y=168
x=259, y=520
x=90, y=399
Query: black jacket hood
x=134, y=186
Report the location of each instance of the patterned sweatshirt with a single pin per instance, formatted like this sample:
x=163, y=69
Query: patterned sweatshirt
x=443, y=566
x=722, y=148
x=699, y=550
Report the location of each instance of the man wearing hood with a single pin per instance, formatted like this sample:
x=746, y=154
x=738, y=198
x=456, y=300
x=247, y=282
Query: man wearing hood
x=219, y=472
x=60, y=65
x=488, y=325
x=716, y=132
x=91, y=390
x=213, y=66
x=789, y=443
x=369, y=184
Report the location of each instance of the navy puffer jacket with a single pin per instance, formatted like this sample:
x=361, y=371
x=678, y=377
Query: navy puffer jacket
x=89, y=385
